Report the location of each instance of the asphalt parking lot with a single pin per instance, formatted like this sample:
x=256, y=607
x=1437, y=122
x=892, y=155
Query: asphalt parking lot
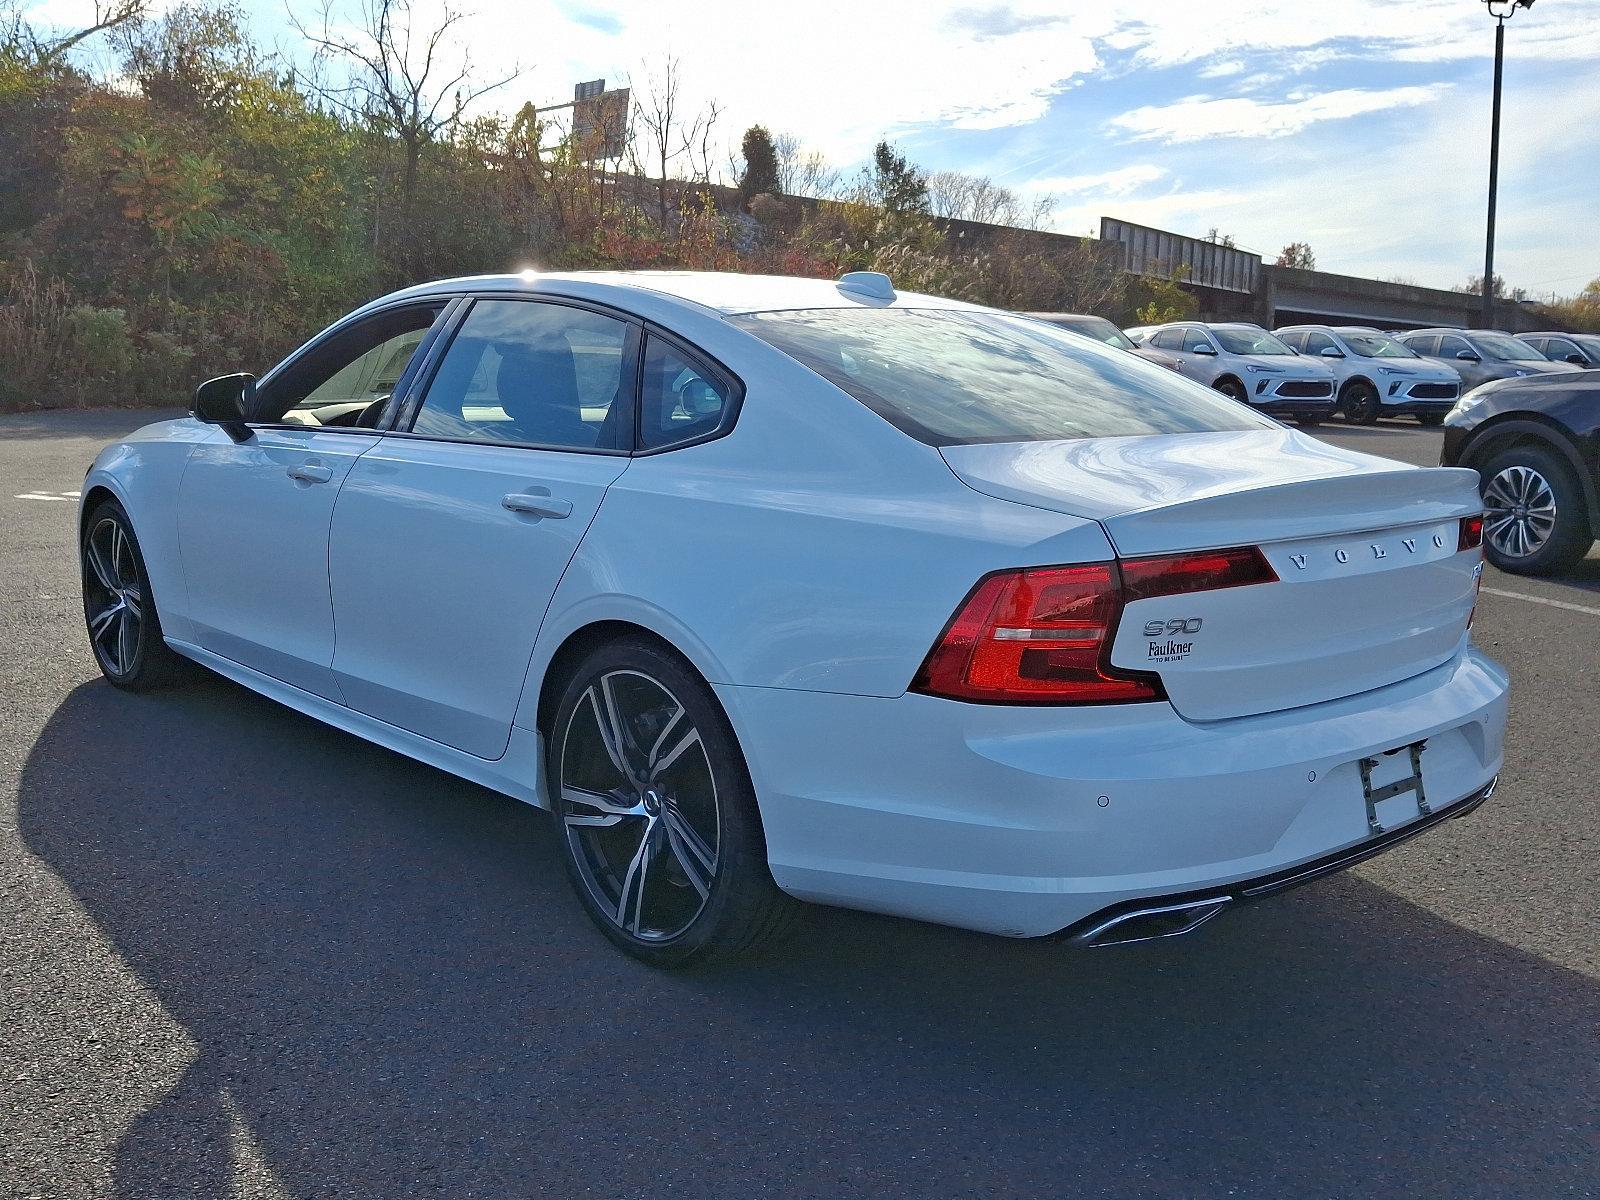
x=245, y=955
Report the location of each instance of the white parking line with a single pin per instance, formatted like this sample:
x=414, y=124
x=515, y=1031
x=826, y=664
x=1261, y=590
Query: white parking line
x=68, y=497
x=1583, y=608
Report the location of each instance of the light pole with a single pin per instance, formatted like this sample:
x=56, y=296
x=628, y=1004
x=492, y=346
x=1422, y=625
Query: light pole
x=1502, y=11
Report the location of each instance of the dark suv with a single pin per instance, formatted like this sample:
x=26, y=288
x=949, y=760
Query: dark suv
x=1535, y=441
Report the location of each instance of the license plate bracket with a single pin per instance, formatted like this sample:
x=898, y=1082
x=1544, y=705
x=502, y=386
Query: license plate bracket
x=1387, y=791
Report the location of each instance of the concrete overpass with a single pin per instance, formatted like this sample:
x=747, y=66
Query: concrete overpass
x=1236, y=285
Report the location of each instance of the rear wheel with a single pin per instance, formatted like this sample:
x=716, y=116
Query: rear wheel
x=1360, y=402
x=660, y=833
x=124, y=627
x=1232, y=388
x=1534, y=521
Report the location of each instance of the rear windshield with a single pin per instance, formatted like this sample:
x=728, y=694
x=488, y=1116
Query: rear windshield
x=949, y=377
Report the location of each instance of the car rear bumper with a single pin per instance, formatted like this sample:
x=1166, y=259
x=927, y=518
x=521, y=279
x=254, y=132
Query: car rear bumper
x=1164, y=916
x=1033, y=821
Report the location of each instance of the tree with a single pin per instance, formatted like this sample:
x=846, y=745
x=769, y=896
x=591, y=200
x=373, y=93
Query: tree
x=760, y=174
x=23, y=43
x=1474, y=286
x=667, y=136
x=895, y=183
x=1298, y=255
x=401, y=77
x=1220, y=239
x=1582, y=311
x=956, y=195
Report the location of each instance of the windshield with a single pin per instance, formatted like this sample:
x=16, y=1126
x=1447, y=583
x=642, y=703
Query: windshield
x=1506, y=349
x=1376, y=345
x=1248, y=341
x=948, y=377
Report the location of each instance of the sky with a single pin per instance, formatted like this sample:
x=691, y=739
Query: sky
x=1358, y=126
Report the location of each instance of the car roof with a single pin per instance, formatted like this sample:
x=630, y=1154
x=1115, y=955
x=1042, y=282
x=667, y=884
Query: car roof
x=722, y=292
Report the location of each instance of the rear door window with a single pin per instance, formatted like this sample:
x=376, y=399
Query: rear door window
x=681, y=397
x=1167, y=339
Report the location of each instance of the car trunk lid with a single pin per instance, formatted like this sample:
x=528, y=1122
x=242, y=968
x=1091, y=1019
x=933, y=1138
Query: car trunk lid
x=1371, y=588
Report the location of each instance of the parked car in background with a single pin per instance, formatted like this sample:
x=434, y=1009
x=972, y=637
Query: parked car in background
x=791, y=588
x=1243, y=361
x=1375, y=375
x=1579, y=349
x=1479, y=355
x=1535, y=443
x=1098, y=328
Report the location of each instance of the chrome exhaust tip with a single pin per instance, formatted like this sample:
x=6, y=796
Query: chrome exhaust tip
x=1148, y=924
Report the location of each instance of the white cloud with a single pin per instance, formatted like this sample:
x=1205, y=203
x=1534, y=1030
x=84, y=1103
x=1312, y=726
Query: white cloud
x=1198, y=117
x=1121, y=182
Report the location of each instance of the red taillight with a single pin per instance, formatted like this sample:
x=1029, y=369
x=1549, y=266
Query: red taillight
x=1205, y=571
x=1043, y=636
x=1471, y=535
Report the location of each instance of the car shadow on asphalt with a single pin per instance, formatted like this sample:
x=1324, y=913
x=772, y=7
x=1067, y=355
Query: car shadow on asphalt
x=391, y=989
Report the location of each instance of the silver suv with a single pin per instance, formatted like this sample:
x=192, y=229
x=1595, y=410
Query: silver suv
x=1376, y=375
x=1480, y=354
x=1245, y=362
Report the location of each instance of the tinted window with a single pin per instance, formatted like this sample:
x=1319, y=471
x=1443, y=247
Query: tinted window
x=1167, y=339
x=1506, y=349
x=1295, y=341
x=948, y=377
x=1423, y=344
x=1098, y=328
x=348, y=371
x=1316, y=343
x=679, y=399
x=1196, y=342
x=1557, y=348
x=530, y=373
x=1449, y=347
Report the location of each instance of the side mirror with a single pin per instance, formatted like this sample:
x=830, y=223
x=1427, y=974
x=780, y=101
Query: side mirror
x=1577, y=360
x=1208, y=350
x=226, y=401
x=1333, y=352
x=1467, y=356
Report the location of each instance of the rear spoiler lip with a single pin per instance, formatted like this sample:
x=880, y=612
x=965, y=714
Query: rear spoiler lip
x=1343, y=506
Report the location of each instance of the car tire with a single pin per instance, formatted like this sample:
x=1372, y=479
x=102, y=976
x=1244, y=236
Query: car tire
x=1233, y=389
x=1431, y=420
x=1535, y=479
x=657, y=819
x=119, y=610
x=1360, y=403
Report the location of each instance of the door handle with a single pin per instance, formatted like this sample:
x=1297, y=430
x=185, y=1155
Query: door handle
x=311, y=472
x=536, y=506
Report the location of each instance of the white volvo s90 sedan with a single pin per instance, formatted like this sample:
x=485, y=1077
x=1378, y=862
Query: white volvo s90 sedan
x=787, y=589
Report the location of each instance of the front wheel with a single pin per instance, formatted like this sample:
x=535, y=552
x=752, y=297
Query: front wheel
x=1360, y=403
x=1233, y=389
x=1534, y=521
x=124, y=627
x=660, y=833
